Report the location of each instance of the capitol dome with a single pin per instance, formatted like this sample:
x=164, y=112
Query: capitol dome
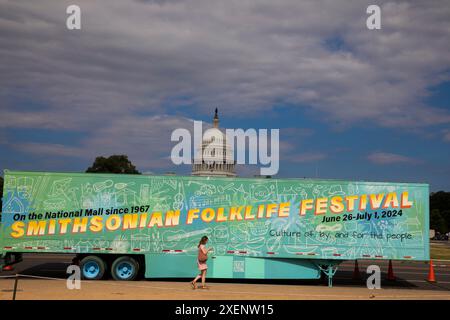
x=215, y=155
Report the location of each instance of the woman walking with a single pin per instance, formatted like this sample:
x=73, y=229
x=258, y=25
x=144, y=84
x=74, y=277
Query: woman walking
x=201, y=262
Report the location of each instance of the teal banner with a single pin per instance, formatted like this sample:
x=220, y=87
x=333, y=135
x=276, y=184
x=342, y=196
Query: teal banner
x=286, y=218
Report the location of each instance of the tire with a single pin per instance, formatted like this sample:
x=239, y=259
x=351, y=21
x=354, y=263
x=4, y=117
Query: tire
x=125, y=268
x=92, y=268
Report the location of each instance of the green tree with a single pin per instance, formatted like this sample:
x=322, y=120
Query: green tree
x=113, y=164
x=1, y=193
x=440, y=211
x=437, y=222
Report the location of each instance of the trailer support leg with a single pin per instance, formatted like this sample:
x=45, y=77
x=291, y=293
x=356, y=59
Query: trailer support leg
x=15, y=286
x=329, y=270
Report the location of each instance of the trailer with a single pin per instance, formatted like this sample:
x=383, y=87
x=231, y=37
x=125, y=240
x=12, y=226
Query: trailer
x=125, y=225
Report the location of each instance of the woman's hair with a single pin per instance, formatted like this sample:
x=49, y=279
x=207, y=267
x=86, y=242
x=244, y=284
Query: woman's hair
x=202, y=241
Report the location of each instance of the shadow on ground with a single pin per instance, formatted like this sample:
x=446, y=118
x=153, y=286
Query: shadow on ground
x=341, y=279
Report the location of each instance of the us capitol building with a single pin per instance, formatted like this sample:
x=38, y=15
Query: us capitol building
x=215, y=156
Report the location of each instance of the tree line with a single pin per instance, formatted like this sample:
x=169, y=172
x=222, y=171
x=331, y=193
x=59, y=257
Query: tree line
x=440, y=211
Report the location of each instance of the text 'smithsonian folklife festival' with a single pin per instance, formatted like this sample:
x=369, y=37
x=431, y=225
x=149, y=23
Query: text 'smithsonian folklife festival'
x=259, y=215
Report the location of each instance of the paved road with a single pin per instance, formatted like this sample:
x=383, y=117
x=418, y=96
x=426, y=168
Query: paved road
x=411, y=283
x=408, y=274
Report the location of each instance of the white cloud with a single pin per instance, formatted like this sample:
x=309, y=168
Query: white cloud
x=447, y=135
x=51, y=149
x=390, y=158
x=146, y=140
x=306, y=157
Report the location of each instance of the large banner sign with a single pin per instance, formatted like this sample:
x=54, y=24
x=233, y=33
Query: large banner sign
x=314, y=219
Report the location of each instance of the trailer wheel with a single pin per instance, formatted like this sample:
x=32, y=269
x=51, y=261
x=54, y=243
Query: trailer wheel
x=125, y=268
x=92, y=268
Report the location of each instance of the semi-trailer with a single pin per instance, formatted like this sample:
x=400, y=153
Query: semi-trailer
x=125, y=225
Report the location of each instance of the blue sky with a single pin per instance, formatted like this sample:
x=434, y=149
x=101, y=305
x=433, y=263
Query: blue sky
x=350, y=103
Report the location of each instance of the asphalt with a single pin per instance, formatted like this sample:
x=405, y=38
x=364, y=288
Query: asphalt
x=410, y=283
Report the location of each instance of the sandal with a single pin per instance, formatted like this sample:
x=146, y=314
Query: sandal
x=194, y=286
x=204, y=287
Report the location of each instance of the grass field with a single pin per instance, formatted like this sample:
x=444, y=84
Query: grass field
x=440, y=251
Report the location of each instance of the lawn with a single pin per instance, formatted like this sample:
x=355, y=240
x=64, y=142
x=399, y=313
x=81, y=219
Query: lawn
x=440, y=251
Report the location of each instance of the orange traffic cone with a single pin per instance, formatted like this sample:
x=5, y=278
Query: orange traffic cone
x=390, y=275
x=356, y=274
x=431, y=277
